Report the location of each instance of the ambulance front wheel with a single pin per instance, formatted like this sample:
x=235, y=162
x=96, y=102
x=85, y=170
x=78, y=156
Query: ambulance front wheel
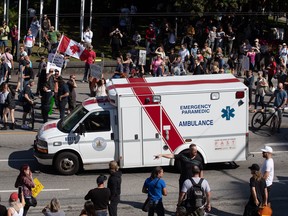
x=67, y=163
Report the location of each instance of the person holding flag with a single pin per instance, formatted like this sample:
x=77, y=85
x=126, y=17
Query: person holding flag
x=76, y=50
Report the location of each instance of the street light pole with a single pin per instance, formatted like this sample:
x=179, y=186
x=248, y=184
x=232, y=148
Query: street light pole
x=5, y=11
x=57, y=15
x=18, y=42
x=41, y=17
x=82, y=18
x=91, y=11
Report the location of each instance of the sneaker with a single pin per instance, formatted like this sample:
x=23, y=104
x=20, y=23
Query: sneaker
x=83, y=81
x=24, y=126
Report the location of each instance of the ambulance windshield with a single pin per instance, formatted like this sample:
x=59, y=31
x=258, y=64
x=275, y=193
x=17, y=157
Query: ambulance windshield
x=71, y=120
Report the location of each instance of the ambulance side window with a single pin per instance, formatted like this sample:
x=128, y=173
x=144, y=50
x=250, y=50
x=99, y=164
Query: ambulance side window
x=97, y=121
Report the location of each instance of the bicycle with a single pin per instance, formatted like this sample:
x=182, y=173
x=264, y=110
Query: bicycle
x=43, y=50
x=31, y=116
x=261, y=118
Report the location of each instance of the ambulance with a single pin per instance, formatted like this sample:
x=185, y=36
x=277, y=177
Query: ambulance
x=143, y=117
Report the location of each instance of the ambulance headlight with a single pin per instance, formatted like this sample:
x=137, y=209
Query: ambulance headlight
x=215, y=96
x=156, y=98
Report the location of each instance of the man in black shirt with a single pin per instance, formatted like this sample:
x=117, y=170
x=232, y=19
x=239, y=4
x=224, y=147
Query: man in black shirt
x=27, y=103
x=187, y=160
x=99, y=196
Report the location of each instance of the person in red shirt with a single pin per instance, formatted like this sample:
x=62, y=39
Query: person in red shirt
x=271, y=71
x=91, y=56
x=150, y=37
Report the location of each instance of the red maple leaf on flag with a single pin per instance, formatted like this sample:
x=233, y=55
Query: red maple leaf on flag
x=75, y=49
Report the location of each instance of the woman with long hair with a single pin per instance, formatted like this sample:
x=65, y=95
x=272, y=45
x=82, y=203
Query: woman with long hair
x=25, y=181
x=9, y=107
x=156, y=188
x=114, y=184
x=101, y=88
x=53, y=208
x=258, y=192
x=89, y=209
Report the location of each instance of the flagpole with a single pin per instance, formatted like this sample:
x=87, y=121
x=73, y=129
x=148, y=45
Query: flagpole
x=57, y=48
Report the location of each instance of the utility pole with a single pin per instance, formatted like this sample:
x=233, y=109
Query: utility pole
x=82, y=18
x=91, y=12
x=57, y=16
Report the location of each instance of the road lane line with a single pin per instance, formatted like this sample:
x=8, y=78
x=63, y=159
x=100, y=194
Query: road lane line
x=44, y=190
x=16, y=160
x=18, y=133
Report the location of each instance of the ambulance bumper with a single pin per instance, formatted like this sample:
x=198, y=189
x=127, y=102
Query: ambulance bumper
x=44, y=159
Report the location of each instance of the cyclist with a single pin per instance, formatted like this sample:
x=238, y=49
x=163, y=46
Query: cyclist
x=280, y=96
x=27, y=103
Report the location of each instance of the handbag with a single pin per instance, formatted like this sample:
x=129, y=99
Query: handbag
x=30, y=201
x=146, y=205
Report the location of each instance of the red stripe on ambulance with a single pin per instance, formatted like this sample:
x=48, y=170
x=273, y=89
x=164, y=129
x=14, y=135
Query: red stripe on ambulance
x=138, y=83
x=153, y=112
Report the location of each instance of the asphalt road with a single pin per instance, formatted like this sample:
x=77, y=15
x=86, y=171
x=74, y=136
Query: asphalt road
x=230, y=188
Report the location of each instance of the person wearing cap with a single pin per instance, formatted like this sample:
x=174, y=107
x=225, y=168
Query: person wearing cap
x=16, y=208
x=114, y=184
x=258, y=192
x=283, y=52
x=267, y=168
x=100, y=196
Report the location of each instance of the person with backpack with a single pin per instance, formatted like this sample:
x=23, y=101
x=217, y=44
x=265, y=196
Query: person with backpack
x=198, y=195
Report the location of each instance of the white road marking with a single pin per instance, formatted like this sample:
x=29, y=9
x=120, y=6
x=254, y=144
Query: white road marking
x=44, y=190
x=16, y=160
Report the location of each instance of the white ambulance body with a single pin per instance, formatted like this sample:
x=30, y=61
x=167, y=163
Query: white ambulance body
x=142, y=117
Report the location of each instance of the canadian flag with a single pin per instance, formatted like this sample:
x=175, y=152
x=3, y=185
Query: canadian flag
x=72, y=48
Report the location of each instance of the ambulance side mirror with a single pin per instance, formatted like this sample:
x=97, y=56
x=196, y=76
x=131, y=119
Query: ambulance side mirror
x=82, y=128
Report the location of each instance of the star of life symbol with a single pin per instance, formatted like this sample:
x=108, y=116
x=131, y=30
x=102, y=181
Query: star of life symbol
x=228, y=113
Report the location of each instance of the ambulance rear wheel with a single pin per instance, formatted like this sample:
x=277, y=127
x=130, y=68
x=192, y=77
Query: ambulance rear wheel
x=67, y=163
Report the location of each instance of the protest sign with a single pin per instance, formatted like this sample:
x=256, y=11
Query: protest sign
x=38, y=187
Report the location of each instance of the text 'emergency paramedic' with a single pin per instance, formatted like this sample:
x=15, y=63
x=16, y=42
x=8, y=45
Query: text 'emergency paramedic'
x=196, y=123
x=195, y=109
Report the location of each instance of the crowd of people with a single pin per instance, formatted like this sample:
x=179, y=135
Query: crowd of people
x=194, y=190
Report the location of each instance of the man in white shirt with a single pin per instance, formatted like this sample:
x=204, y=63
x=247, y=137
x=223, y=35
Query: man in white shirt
x=267, y=168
